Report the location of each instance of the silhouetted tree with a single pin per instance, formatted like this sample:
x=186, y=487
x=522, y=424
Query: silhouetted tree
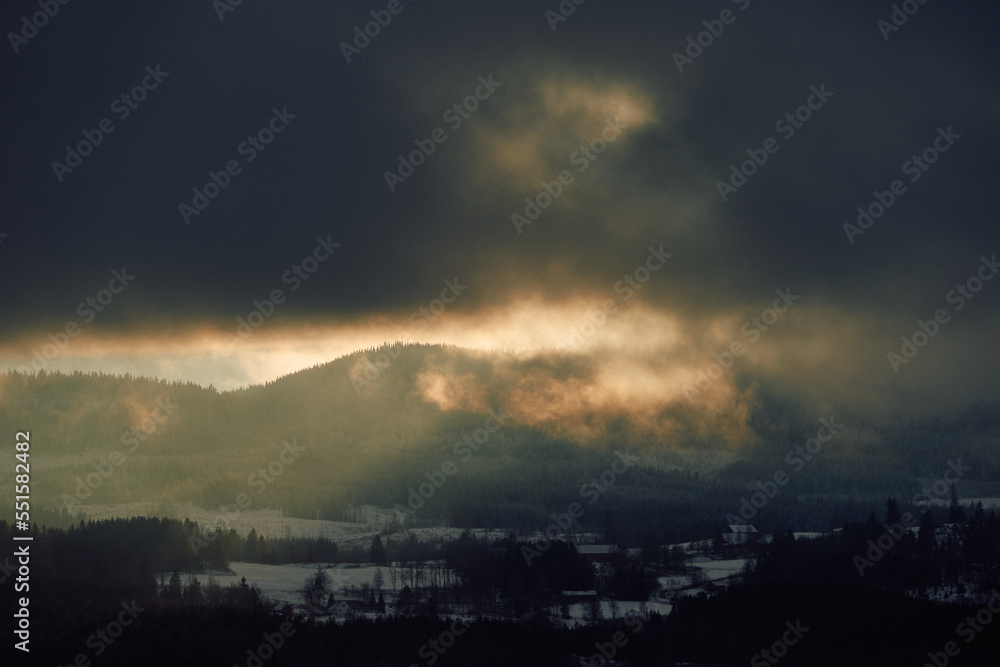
x=316, y=591
x=172, y=591
x=377, y=552
x=955, y=512
x=193, y=593
x=593, y=613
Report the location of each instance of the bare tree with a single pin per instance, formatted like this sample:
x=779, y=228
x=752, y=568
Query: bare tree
x=593, y=612
x=317, y=591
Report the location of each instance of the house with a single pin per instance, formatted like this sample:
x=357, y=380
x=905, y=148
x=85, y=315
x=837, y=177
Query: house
x=578, y=596
x=740, y=534
x=340, y=609
x=598, y=553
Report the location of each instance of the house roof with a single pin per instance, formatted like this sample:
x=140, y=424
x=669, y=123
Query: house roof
x=578, y=594
x=595, y=549
x=741, y=528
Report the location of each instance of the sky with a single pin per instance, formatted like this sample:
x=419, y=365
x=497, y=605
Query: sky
x=658, y=187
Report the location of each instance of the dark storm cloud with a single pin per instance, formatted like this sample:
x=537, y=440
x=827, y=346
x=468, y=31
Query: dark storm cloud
x=322, y=176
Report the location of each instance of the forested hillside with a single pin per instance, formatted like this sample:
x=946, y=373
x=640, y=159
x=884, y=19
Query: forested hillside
x=336, y=436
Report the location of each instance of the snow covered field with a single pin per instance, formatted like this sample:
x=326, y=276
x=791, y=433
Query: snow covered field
x=271, y=523
x=988, y=503
x=716, y=570
x=282, y=583
x=708, y=570
x=578, y=611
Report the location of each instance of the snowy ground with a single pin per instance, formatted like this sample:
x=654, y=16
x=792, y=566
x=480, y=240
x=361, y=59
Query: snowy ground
x=271, y=523
x=282, y=583
x=718, y=569
x=809, y=535
x=578, y=611
x=988, y=503
x=719, y=572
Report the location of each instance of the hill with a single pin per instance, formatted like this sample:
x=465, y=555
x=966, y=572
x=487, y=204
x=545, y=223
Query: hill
x=374, y=426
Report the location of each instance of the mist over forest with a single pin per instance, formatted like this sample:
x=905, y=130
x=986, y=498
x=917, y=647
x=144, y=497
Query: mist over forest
x=147, y=441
